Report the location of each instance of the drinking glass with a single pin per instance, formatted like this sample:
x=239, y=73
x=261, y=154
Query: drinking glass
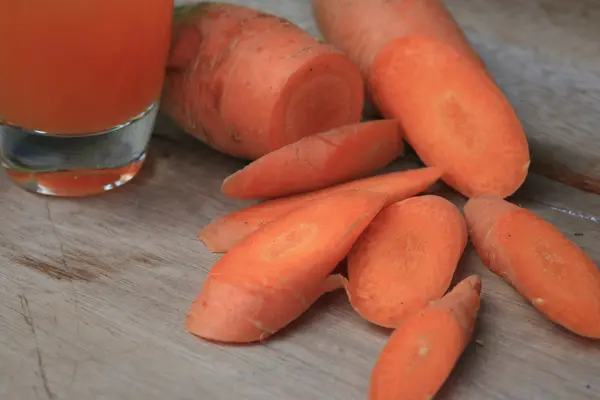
x=80, y=82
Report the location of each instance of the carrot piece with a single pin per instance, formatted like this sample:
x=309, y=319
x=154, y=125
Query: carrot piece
x=277, y=273
x=223, y=233
x=217, y=90
x=405, y=259
x=362, y=28
x=453, y=115
x=318, y=161
x=423, y=350
x=535, y=258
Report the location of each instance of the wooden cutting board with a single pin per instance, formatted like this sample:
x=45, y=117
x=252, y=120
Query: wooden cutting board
x=93, y=292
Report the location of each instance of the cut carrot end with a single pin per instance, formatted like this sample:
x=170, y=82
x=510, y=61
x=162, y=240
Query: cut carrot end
x=325, y=93
x=453, y=115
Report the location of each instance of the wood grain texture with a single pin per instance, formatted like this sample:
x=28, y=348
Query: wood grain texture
x=93, y=292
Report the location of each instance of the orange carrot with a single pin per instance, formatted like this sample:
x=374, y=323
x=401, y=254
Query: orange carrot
x=246, y=82
x=223, y=233
x=421, y=353
x=453, y=115
x=318, y=161
x=362, y=28
x=534, y=257
x=277, y=273
x=405, y=259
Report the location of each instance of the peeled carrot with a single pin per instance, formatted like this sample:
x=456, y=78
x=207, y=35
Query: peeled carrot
x=277, y=273
x=247, y=83
x=225, y=232
x=405, y=259
x=534, y=257
x=421, y=353
x=361, y=29
x=453, y=115
x=318, y=161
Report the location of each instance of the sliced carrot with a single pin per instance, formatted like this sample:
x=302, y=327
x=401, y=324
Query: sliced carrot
x=362, y=28
x=318, y=161
x=421, y=353
x=534, y=257
x=405, y=259
x=217, y=89
x=277, y=273
x=223, y=233
x=453, y=115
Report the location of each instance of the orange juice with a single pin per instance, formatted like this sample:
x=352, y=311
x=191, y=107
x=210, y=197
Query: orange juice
x=79, y=86
x=81, y=66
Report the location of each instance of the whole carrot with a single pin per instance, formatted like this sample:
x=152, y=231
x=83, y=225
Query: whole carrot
x=225, y=232
x=318, y=161
x=533, y=256
x=246, y=82
x=278, y=272
x=453, y=115
x=421, y=353
x=405, y=259
x=361, y=29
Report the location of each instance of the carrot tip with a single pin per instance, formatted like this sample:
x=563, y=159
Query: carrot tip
x=205, y=241
x=445, y=326
x=224, y=184
x=474, y=281
x=334, y=282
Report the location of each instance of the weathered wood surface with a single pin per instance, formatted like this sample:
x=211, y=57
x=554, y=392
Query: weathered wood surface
x=93, y=292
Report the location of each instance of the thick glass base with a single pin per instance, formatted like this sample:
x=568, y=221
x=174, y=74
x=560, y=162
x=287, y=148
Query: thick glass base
x=75, y=166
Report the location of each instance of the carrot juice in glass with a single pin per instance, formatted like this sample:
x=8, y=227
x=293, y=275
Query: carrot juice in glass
x=79, y=87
